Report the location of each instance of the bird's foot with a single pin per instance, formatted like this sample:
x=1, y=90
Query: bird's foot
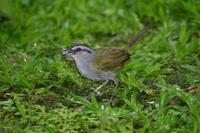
x=94, y=93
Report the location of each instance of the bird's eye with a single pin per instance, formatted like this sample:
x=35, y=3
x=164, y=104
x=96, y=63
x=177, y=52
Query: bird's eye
x=78, y=49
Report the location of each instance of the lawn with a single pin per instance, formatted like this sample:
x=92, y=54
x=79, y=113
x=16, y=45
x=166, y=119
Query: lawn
x=159, y=85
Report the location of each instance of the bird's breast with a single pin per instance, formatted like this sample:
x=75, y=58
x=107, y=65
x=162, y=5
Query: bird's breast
x=87, y=70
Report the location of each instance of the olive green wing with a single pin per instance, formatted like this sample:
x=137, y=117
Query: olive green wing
x=110, y=59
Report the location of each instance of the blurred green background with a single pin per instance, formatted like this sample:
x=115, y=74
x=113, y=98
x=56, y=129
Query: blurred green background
x=159, y=88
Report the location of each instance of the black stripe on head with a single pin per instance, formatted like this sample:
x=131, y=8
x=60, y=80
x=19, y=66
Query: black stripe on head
x=86, y=50
x=80, y=47
x=81, y=44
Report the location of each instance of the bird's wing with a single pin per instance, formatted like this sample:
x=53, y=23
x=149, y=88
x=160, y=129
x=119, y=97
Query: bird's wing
x=110, y=59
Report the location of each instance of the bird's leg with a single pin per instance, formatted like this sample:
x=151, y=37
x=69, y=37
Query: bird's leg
x=96, y=90
x=116, y=82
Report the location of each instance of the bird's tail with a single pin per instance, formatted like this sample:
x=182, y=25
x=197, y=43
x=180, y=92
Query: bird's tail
x=136, y=38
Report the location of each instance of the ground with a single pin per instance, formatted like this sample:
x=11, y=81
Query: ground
x=159, y=85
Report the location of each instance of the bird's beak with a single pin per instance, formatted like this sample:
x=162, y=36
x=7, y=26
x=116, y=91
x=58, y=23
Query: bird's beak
x=65, y=51
x=65, y=54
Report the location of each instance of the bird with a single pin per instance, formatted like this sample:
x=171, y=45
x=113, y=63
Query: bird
x=101, y=64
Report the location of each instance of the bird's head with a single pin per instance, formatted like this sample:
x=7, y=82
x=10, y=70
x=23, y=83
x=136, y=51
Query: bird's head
x=78, y=52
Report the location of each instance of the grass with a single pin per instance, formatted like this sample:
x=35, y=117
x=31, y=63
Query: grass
x=159, y=85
